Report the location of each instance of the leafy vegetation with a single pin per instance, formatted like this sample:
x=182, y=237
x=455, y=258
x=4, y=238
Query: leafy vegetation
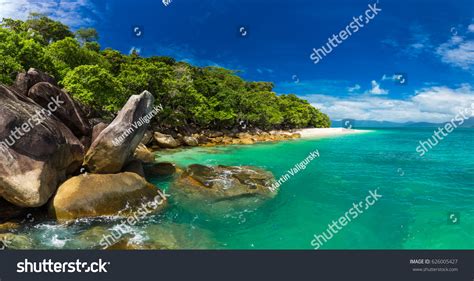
x=87, y=35
x=192, y=97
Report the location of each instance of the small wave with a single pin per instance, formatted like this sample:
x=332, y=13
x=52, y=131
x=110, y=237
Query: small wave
x=57, y=242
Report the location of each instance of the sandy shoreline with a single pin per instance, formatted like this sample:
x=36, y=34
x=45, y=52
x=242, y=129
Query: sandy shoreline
x=328, y=132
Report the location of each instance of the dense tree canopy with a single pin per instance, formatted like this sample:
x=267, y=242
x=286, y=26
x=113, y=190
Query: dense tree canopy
x=45, y=29
x=192, y=97
x=86, y=81
x=87, y=35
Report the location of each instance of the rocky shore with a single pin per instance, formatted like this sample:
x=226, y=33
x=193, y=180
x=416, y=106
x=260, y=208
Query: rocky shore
x=52, y=156
x=158, y=140
x=58, y=164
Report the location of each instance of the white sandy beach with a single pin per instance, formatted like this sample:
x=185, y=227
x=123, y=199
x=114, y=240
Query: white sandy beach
x=328, y=132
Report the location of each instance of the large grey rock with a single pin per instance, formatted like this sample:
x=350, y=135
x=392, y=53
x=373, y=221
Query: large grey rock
x=37, y=151
x=98, y=129
x=70, y=113
x=25, y=80
x=115, y=145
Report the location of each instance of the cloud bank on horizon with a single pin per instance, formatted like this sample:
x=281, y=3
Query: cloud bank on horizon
x=355, y=81
x=435, y=104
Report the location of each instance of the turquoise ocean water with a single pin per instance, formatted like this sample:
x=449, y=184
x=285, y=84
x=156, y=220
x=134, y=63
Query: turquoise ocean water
x=418, y=196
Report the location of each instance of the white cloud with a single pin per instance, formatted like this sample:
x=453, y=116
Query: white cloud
x=376, y=90
x=435, y=104
x=419, y=41
x=390, y=42
x=69, y=12
x=262, y=70
x=458, y=52
x=356, y=87
x=470, y=28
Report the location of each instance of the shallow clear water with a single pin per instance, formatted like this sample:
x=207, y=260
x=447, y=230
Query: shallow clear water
x=417, y=192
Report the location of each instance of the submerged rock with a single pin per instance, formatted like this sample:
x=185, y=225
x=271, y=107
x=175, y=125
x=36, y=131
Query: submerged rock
x=165, y=141
x=224, y=182
x=115, y=145
x=95, y=195
x=128, y=244
x=15, y=242
x=37, y=151
x=163, y=236
x=90, y=238
x=162, y=169
x=118, y=237
x=178, y=236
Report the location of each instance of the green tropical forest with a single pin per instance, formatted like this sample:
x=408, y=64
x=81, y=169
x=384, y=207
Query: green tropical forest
x=193, y=98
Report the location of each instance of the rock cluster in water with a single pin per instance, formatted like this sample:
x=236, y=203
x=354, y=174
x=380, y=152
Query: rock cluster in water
x=225, y=182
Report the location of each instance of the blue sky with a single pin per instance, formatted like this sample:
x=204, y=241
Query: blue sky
x=430, y=42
